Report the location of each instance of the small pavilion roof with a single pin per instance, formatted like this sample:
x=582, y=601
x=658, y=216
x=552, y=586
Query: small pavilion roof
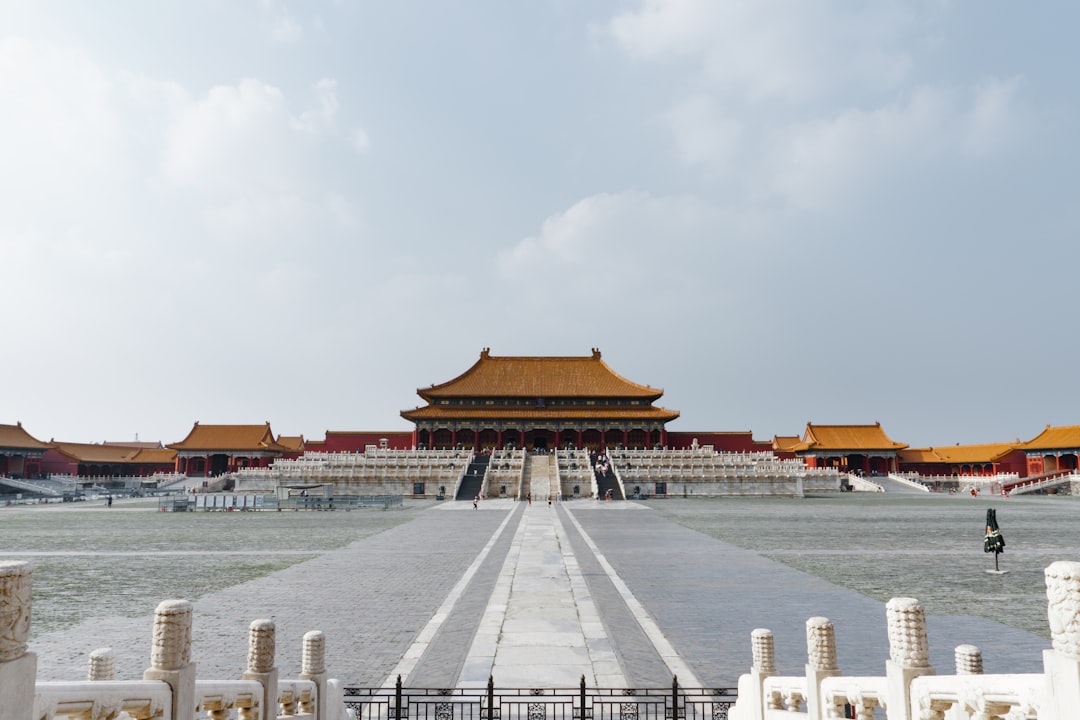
x=845, y=437
x=14, y=437
x=785, y=443
x=258, y=438
x=1061, y=437
x=292, y=443
x=537, y=377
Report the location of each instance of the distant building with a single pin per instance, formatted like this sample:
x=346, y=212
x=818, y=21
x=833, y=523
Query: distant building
x=109, y=459
x=210, y=450
x=862, y=448
x=980, y=459
x=20, y=452
x=1053, y=450
x=540, y=403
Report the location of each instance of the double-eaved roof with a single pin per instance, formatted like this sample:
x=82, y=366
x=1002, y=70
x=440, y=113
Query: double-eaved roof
x=847, y=438
x=582, y=383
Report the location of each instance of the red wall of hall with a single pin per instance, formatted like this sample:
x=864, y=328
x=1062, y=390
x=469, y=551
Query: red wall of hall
x=721, y=441
x=343, y=441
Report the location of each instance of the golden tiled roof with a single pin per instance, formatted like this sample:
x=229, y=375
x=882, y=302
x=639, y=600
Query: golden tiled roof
x=1055, y=438
x=845, y=437
x=471, y=412
x=293, y=443
x=538, y=377
x=106, y=453
x=15, y=438
x=958, y=454
x=229, y=437
x=785, y=443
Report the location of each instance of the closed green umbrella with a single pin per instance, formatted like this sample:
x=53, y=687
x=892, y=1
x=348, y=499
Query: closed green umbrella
x=993, y=542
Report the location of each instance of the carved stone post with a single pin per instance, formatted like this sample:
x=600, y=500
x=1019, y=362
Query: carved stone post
x=313, y=668
x=101, y=665
x=764, y=653
x=909, y=655
x=261, y=650
x=1062, y=663
x=968, y=660
x=170, y=655
x=18, y=668
x=820, y=663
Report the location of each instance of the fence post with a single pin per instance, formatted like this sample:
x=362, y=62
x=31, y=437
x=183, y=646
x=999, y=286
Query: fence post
x=582, y=715
x=313, y=668
x=101, y=665
x=18, y=668
x=397, y=699
x=909, y=654
x=491, y=697
x=170, y=655
x=1062, y=661
x=820, y=663
x=674, y=697
x=262, y=640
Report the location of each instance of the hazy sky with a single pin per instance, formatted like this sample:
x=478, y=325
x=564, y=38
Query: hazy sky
x=779, y=212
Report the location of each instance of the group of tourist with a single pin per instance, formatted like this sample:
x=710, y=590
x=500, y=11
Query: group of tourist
x=601, y=464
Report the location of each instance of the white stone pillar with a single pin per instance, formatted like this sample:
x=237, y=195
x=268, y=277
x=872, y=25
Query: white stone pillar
x=909, y=655
x=968, y=660
x=820, y=663
x=764, y=653
x=1062, y=662
x=261, y=650
x=101, y=665
x=18, y=668
x=170, y=655
x=313, y=668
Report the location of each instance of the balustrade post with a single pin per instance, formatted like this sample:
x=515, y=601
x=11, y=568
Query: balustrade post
x=909, y=655
x=101, y=665
x=313, y=668
x=170, y=655
x=1062, y=661
x=18, y=668
x=820, y=663
x=261, y=650
x=764, y=666
x=968, y=660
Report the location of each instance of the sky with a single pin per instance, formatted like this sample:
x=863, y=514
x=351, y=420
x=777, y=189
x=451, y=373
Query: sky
x=301, y=212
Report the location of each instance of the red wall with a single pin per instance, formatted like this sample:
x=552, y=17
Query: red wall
x=337, y=441
x=721, y=441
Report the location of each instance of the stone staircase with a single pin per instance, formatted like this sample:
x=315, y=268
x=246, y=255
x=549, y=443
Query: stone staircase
x=473, y=480
x=540, y=477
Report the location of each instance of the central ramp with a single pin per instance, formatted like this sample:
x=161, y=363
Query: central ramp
x=541, y=627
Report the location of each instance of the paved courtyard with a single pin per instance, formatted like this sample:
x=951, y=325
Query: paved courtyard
x=535, y=595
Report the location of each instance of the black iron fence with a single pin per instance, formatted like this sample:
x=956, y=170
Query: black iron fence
x=582, y=703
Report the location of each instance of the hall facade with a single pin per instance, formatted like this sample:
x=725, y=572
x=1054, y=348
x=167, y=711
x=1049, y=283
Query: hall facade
x=539, y=403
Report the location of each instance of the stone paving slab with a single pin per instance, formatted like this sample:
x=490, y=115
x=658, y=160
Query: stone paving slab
x=375, y=597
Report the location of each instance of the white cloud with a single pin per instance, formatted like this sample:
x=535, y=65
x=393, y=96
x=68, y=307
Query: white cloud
x=705, y=136
x=285, y=30
x=995, y=117
x=767, y=49
x=361, y=141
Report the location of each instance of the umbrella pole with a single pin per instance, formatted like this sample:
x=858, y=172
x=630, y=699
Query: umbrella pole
x=996, y=563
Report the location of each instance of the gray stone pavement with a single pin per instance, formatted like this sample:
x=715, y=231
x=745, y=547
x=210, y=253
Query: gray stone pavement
x=376, y=598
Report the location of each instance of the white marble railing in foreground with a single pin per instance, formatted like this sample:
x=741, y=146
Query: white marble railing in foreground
x=169, y=688
x=911, y=689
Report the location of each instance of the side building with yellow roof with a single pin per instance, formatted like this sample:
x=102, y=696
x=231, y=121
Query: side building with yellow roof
x=849, y=448
x=1055, y=449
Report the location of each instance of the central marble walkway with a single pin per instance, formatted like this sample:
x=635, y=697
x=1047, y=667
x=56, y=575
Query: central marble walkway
x=541, y=626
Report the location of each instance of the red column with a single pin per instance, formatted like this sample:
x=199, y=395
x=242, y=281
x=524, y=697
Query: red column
x=498, y=442
x=453, y=438
x=578, y=439
x=415, y=436
x=522, y=438
x=625, y=442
